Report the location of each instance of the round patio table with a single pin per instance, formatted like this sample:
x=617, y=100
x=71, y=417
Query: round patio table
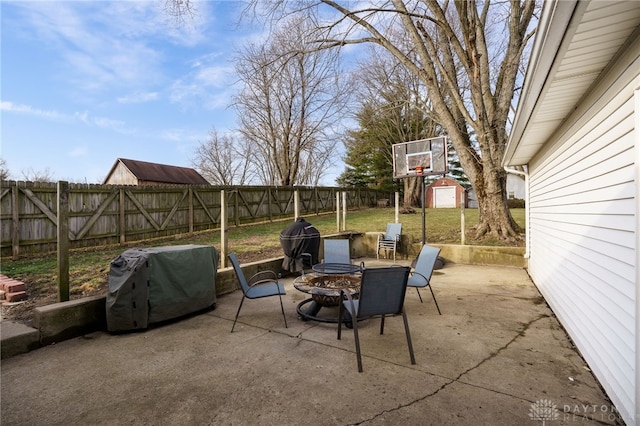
x=325, y=292
x=336, y=268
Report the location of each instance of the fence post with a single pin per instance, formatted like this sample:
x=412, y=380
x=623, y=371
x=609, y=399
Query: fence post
x=338, y=211
x=296, y=204
x=123, y=218
x=15, y=221
x=462, y=224
x=63, y=241
x=397, y=201
x=344, y=210
x=190, y=210
x=236, y=206
x=270, y=204
x=224, y=239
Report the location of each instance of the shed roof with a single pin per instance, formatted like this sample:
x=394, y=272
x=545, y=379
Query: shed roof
x=163, y=173
x=575, y=42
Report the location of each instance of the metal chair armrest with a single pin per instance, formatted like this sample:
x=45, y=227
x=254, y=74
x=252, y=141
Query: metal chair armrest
x=349, y=298
x=263, y=277
x=418, y=273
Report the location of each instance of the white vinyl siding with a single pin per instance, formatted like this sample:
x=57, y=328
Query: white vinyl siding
x=582, y=225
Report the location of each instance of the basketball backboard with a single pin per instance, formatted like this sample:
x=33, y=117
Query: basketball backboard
x=420, y=158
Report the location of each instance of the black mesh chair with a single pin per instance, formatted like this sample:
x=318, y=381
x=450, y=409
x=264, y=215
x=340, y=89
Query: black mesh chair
x=262, y=284
x=382, y=292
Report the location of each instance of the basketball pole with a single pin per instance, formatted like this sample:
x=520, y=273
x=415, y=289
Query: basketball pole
x=424, y=224
x=419, y=172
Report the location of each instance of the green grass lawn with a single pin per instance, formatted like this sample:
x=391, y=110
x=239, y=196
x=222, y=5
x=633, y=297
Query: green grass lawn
x=442, y=225
x=89, y=268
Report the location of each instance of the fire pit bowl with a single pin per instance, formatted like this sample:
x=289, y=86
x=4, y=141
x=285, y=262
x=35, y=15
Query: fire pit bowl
x=325, y=289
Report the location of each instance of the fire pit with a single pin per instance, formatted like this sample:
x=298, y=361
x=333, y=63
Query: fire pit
x=325, y=292
x=325, y=289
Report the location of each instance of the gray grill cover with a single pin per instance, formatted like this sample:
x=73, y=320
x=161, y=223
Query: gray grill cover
x=160, y=283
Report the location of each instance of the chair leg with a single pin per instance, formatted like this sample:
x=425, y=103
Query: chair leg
x=406, y=329
x=434, y=299
x=382, y=324
x=237, y=313
x=355, y=334
x=357, y=339
x=282, y=309
x=340, y=314
x=419, y=294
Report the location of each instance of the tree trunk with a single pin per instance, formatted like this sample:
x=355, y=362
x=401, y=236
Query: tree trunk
x=494, y=218
x=412, y=192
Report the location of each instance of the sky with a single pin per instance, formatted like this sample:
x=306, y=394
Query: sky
x=86, y=82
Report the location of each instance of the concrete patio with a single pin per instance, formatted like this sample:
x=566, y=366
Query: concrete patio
x=496, y=355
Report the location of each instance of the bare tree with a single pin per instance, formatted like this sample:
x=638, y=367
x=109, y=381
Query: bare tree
x=290, y=106
x=223, y=159
x=179, y=10
x=396, y=109
x=4, y=170
x=45, y=175
x=467, y=54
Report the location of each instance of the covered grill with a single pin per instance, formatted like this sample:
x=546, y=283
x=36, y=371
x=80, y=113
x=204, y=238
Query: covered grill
x=155, y=284
x=298, y=238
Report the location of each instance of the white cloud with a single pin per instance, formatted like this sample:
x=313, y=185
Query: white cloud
x=101, y=45
x=209, y=84
x=79, y=151
x=138, y=98
x=108, y=123
x=83, y=117
x=51, y=115
x=180, y=135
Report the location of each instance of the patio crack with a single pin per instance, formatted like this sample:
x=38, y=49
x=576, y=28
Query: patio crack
x=492, y=355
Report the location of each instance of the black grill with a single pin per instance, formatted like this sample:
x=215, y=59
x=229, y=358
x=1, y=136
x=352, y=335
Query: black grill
x=300, y=242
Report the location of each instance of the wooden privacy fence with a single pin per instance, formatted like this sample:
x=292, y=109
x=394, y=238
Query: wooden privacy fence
x=109, y=214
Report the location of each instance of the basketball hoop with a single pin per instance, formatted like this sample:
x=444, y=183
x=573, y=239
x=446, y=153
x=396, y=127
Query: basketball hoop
x=422, y=157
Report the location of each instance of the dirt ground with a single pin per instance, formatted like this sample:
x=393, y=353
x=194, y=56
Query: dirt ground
x=23, y=311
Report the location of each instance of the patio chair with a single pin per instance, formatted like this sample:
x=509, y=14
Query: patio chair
x=421, y=274
x=336, y=251
x=261, y=284
x=382, y=292
x=390, y=239
x=337, y=259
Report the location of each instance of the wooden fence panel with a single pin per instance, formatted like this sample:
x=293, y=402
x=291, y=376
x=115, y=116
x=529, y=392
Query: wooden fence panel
x=109, y=214
x=206, y=210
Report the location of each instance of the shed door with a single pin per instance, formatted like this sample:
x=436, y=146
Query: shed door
x=444, y=197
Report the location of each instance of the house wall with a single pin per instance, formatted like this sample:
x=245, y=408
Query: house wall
x=583, y=228
x=121, y=176
x=515, y=186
